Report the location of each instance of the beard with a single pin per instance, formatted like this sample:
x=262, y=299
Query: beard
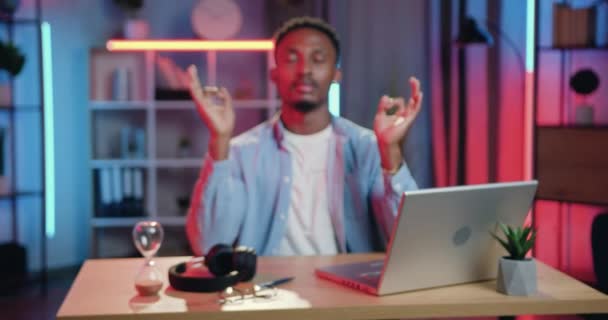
x=304, y=106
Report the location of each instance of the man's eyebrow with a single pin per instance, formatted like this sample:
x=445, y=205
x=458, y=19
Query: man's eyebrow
x=288, y=50
x=294, y=49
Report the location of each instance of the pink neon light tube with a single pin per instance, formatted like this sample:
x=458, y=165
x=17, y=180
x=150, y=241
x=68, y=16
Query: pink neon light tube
x=189, y=45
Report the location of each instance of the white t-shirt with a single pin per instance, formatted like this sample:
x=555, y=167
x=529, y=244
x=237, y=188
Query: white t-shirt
x=309, y=229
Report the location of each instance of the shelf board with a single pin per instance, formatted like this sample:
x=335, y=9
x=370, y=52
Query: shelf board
x=20, y=194
x=194, y=163
x=6, y=21
x=174, y=105
x=548, y=48
x=104, y=163
x=179, y=163
x=119, y=105
x=101, y=222
x=19, y=108
x=239, y=104
x=575, y=126
x=104, y=222
x=175, y=221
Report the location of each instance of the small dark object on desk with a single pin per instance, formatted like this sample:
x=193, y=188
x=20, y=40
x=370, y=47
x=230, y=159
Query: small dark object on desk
x=274, y=283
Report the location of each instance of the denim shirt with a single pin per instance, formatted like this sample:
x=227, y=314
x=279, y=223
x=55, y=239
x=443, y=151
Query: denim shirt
x=244, y=200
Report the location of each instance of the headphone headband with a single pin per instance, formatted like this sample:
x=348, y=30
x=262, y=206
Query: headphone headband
x=200, y=284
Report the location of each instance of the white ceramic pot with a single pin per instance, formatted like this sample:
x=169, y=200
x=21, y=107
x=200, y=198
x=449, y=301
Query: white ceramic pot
x=584, y=115
x=516, y=277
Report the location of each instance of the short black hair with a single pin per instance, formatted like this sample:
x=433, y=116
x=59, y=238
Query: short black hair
x=308, y=22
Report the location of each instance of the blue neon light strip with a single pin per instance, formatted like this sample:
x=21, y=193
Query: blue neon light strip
x=530, y=13
x=334, y=99
x=49, y=130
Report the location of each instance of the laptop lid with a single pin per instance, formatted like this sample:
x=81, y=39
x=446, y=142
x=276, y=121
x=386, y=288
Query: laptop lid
x=442, y=235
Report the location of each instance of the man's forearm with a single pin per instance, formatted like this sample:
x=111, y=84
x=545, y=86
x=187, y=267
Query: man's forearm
x=391, y=157
x=219, y=147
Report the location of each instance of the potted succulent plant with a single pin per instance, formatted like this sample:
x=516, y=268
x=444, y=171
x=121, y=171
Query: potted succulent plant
x=11, y=64
x=516, y=272
x=134, y=27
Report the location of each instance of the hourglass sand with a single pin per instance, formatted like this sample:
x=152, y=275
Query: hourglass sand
x=147, y=237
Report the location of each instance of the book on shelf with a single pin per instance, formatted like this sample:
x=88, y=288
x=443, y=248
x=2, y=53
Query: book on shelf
x=4, y=178
x=120, y=192
x=574, y=27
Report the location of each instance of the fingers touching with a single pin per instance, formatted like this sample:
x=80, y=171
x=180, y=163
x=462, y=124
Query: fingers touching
x=208, y=95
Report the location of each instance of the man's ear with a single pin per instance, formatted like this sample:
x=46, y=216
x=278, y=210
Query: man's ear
x=273, y=75
x=337, y=76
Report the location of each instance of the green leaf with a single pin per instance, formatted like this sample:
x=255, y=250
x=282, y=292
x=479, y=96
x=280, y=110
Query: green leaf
x=508, y=235
x=512, y=232
x=525, y=234
x=529, y=243
x=502, y=242
x=518, y=241
x=518, y=233
x=505, y=230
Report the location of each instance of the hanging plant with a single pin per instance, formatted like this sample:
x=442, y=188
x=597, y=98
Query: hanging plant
x=11, y=58
x=131, y=7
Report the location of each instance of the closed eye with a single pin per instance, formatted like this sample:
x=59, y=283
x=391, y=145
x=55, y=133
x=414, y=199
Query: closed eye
x=292, y=57
x=319, y=57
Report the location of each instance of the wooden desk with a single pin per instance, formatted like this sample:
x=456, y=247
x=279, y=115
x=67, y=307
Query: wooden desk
x=104, y=290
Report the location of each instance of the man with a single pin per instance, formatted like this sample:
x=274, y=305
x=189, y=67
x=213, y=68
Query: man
x=304, y=182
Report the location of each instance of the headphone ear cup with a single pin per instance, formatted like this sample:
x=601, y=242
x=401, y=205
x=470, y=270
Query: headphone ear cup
x=219, y=259
x=245, y=262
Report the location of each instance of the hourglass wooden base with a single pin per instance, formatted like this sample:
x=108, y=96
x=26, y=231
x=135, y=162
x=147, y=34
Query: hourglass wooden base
x=148, y=287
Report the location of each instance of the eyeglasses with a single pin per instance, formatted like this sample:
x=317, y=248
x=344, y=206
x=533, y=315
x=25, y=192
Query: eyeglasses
x=232, y=295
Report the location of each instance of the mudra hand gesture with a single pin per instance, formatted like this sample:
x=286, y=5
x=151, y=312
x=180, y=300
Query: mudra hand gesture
x=214, y=105
x=392, y=122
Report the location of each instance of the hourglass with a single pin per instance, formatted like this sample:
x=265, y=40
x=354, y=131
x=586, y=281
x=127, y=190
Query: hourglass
x=147, y=237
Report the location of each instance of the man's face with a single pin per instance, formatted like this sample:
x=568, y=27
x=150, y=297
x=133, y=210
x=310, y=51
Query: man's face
x=305, y=68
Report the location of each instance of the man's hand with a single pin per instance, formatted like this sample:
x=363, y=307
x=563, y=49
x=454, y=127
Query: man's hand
x=393, y=120
x=215, y=108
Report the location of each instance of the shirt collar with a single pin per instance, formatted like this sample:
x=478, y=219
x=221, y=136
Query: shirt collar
x=279, y=129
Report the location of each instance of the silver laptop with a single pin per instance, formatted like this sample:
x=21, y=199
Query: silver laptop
x=441, y=237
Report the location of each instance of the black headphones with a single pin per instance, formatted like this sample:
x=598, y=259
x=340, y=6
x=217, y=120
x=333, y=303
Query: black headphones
x=229, y=265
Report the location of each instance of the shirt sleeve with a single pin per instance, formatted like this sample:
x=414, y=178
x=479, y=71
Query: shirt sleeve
x=401, y=181
x=386, y=193
x=217, y=204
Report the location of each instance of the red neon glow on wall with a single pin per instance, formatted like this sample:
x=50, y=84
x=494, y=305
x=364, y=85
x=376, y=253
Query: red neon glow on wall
x=189, y=45
x=528, y=125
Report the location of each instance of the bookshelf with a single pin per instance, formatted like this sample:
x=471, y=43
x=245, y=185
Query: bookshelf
x=23, y=198
x=568, y=156
x=167, y=172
